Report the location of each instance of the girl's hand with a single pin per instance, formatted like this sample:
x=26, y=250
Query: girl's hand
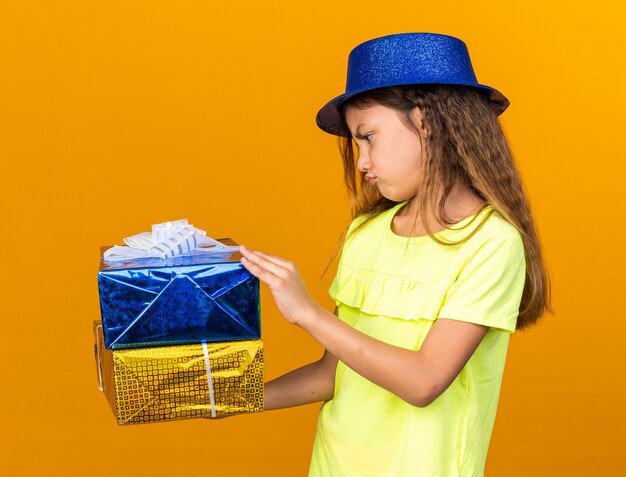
x=285, y=283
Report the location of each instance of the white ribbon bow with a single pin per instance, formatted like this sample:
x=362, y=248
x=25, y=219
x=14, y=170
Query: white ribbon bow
x=168, y=239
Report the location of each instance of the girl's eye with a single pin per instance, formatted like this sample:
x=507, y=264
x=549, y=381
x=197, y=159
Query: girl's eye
x=368, y=138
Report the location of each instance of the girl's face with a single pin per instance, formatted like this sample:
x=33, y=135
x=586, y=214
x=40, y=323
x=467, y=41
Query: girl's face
x=390, y=153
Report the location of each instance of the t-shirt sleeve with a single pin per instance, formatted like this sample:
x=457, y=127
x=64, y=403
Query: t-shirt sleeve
x=334, y=286
x=488, y=288
x=354, y=224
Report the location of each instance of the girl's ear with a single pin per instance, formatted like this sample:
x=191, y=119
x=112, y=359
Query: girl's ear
x=418, y=118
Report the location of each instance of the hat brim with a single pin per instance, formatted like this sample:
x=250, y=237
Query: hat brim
x=328, y=118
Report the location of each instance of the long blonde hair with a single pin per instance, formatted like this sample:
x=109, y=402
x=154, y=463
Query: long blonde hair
x=465, y=143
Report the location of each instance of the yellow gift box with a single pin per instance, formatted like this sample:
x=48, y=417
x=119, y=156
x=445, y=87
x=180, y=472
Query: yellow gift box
x=181, y=382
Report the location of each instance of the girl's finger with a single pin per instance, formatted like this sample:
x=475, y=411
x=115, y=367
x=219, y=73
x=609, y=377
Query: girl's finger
x=271, y=258
x=256, y=258
x=263, y=275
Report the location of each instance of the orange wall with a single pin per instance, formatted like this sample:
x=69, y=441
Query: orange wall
x=119, y=114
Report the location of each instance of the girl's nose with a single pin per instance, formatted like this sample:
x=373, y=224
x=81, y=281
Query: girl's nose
x=363, y=162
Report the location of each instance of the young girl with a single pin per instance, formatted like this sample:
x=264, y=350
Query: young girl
x=439, y=266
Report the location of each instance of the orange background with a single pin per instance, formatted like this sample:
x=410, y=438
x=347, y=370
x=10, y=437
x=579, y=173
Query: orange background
x=119, y=114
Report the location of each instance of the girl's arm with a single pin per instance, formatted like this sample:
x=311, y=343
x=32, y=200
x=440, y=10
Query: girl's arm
x=418, y=377
x=311, y=383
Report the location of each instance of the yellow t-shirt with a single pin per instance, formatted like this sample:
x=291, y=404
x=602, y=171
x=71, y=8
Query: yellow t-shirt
x=393, y=288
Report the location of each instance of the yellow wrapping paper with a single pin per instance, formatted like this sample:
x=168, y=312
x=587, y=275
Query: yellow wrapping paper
x=168, y=383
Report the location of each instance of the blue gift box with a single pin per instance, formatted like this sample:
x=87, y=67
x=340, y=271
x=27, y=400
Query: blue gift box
x=179, y=300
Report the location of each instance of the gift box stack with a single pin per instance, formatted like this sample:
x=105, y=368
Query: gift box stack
x=180, y=336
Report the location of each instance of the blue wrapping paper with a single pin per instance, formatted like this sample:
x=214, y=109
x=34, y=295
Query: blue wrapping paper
x=180, y=300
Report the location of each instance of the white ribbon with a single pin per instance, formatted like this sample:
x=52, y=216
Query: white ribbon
x=209, y=379
x=168, y=239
